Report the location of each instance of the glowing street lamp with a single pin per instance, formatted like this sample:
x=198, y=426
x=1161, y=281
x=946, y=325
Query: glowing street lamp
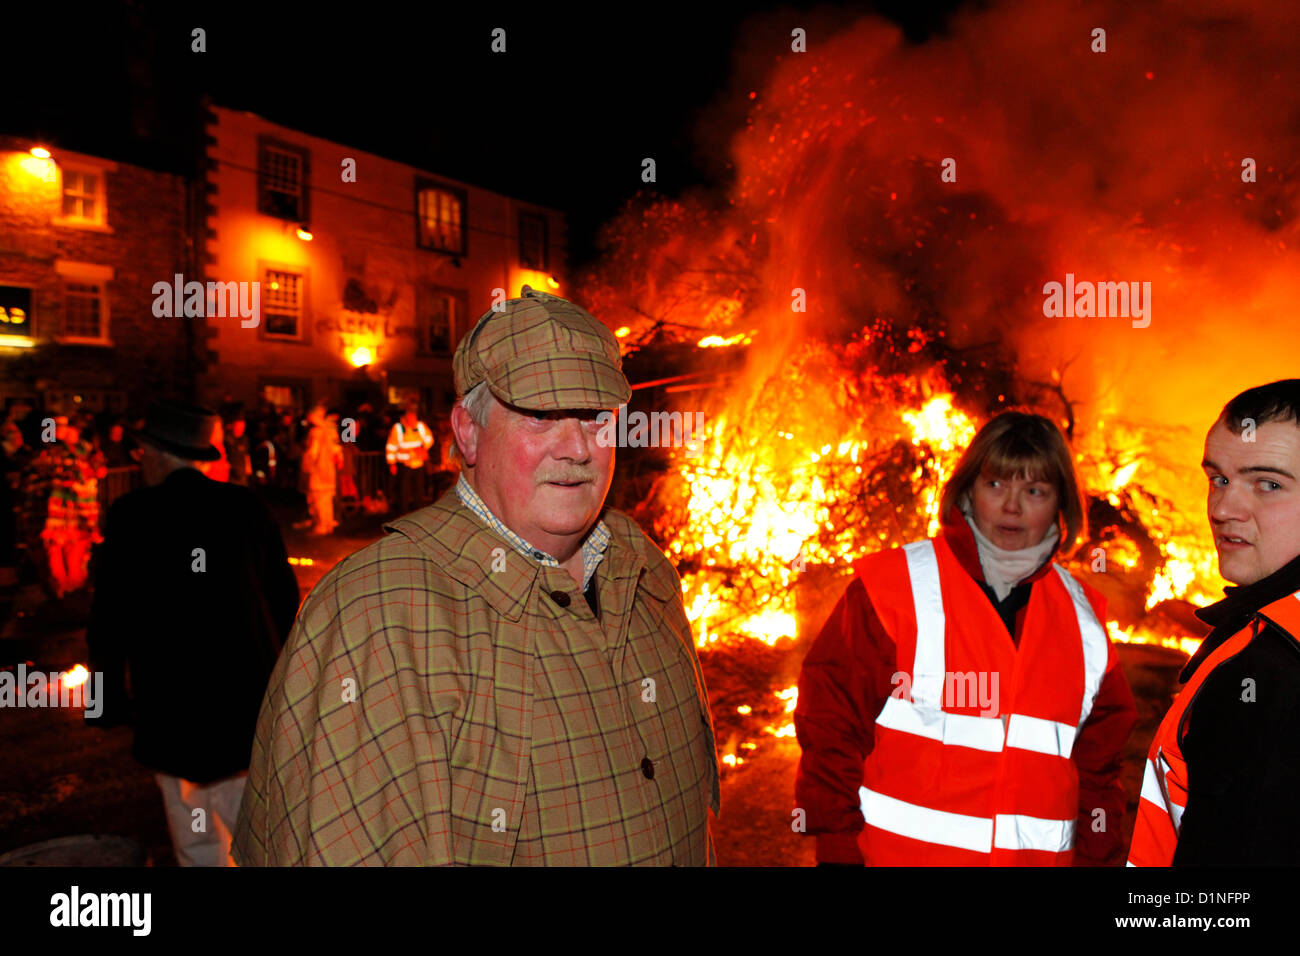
x=39, y=164
x=361, y=357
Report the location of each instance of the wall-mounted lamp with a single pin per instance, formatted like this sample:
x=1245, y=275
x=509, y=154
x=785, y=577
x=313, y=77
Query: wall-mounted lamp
x=40, y=165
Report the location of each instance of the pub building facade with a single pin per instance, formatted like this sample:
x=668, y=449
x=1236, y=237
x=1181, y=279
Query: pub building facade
x=369, y=271
x=82, y=240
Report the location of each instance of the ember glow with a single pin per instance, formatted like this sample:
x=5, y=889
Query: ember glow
x=761, y=507
x=884, y=312
x=760, y=511
x=791, y=697
x=717, y=341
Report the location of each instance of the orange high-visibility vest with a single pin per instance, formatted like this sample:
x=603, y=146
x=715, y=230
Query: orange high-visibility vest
x=956, y=781
x=1164, y=783
x=407, y=445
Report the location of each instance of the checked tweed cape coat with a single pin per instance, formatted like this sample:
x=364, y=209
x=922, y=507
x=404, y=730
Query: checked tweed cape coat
x=444, y=700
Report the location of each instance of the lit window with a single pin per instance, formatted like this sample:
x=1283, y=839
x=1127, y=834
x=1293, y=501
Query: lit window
x=440, y=218
x=84, y=200
x=279, y=396
x=79, y=195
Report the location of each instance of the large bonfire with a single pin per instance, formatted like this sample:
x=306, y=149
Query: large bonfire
x=865, y=314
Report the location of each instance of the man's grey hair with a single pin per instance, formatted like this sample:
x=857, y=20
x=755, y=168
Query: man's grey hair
x=477, y=401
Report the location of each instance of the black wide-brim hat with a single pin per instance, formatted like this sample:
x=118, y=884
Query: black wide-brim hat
x=183, y=430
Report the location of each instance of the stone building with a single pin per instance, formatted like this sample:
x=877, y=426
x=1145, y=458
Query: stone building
x=368, y=270
x=83, y=240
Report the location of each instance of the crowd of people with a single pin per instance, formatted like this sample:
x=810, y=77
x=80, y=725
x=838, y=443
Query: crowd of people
x=52, y=466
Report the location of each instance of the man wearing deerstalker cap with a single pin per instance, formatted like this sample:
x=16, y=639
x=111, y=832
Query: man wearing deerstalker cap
x=508, y=677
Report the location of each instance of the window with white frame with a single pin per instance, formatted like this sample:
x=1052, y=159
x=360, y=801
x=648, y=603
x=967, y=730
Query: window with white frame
x=281, y=303
x=84, y=292
x=83, y=309
x=84, y=195
x=281, y=179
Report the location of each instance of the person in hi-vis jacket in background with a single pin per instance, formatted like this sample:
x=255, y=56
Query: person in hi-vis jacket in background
x=407, y=451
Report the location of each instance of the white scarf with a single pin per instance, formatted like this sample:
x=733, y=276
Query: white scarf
x=1003, y=570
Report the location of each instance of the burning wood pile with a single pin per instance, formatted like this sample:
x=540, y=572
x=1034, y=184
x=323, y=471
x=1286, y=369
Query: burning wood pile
x=831, y=457
x=875, y=282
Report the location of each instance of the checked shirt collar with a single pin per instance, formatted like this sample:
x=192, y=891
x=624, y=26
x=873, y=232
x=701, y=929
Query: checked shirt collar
x=593, y=548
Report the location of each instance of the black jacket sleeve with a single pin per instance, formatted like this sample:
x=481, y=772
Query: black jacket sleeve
x=278, y=578
x=107, y=632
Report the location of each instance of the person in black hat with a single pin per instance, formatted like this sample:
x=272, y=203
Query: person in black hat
x=193, y=592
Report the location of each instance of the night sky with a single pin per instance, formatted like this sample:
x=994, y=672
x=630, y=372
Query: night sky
x=563, y=118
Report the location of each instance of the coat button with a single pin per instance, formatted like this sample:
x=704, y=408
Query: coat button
x=647, y=768
x=561, y=598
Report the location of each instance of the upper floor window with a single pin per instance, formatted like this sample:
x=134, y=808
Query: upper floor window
x=81, y=195
x=84, y=200
x=282, y=181
x=440, y=218
x=532, y=242
x=281, y=304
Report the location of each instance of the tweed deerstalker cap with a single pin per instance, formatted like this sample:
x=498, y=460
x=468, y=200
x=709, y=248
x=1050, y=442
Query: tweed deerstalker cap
x=543, y=353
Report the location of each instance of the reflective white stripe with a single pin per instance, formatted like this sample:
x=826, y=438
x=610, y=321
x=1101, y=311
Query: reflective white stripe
x=1044, y=736
x=407, y=441
x=923, y=823
x=959, y=730
x=1130, y=863
x=1095, y=644
x=1015, y=831
x=927, y=601
x=1153, y=789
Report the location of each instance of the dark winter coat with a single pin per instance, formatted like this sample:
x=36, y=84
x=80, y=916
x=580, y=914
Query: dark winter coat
x=199, y=630
x=1241, y=737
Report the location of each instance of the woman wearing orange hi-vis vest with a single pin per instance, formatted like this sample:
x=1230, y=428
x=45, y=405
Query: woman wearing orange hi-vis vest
x=963, y=705
x=1223, y=770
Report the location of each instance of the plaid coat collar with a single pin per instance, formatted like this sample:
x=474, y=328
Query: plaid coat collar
x=466, y=547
